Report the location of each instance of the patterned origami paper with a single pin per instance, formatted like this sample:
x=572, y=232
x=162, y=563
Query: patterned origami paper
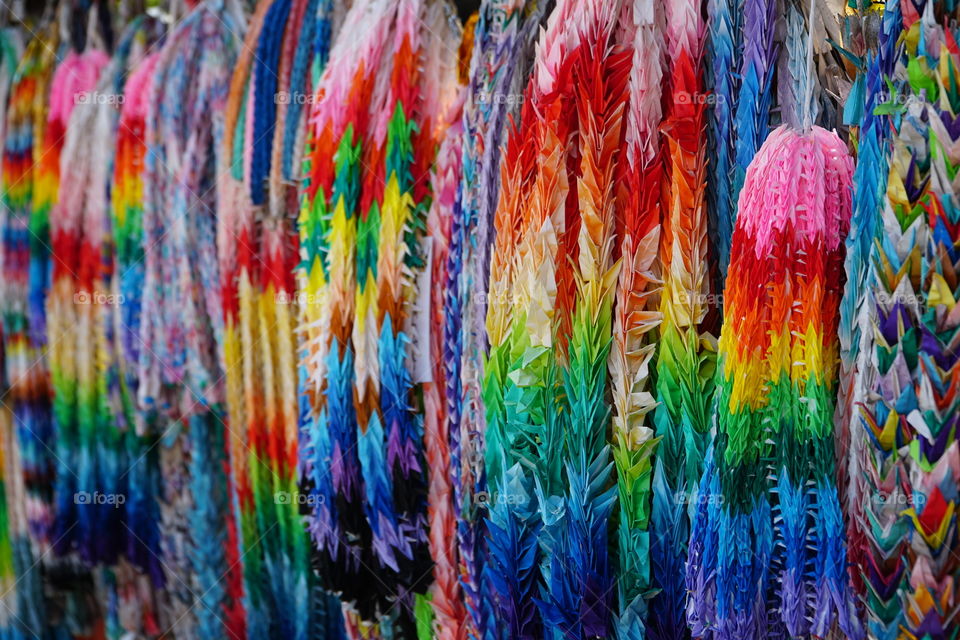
x=911, y=463
x=181, y=389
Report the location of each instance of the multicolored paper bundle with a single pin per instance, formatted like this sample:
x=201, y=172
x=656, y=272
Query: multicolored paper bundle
x=768, y=555
x=45, y=583
x=236, y=245
x=422, y=88
x=550, y=320
x=116, y=478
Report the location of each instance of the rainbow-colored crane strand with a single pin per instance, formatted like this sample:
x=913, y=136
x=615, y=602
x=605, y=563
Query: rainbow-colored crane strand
x=685, y=357
x=769, y=547
x=636, y=314
x=258, y=253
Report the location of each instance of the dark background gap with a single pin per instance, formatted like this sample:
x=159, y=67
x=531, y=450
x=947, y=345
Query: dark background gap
x=466, y=7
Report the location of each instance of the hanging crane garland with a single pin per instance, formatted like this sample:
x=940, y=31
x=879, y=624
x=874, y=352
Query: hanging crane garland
x=363, y=250
x=338, y=129
x=422, y=88
x=234, y=239
x=70, y=309
x=778, y=360
x=523, y=448
x=857, y=368
x=402, y=318
x=757, y=66
x=724, y=49
x=37, y=428
x=636, y=316
x=912, y=462
x=143, y=473
x=14, y=550
x=499, y=71
x=31, y=184
x=181, y=385
x=258, y=256
x=685, y=356
x=447, y=605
